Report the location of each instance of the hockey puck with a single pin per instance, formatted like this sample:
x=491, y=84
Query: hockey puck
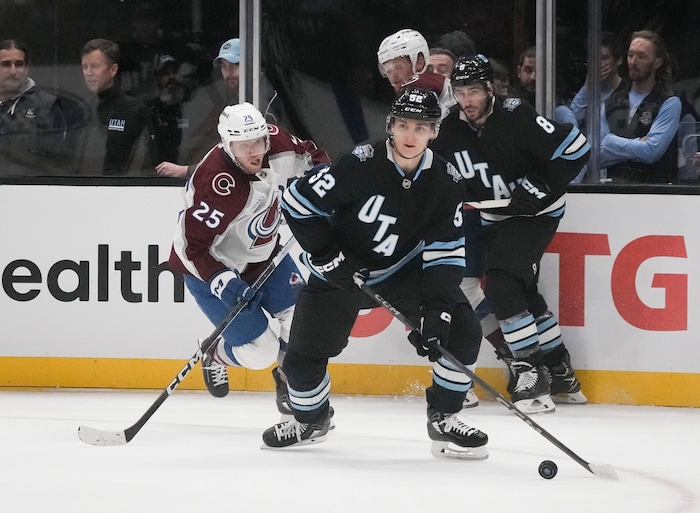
x=547, y=469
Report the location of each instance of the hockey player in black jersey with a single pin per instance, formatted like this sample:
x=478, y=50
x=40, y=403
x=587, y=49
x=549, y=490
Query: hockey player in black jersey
x=393, y=212
x=504, y=149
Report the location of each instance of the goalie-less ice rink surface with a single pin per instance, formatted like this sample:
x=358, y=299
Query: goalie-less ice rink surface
x=201, y=454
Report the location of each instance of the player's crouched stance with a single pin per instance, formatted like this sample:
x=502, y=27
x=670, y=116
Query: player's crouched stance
x=227, y=235
x=392, y=213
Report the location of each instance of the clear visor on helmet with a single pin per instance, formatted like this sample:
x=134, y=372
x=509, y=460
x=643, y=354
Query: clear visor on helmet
x=399, y=65
x=396, y=125
x=251, y=147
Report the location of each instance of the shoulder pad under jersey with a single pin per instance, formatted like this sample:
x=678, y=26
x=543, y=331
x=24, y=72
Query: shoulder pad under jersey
x=363, y=152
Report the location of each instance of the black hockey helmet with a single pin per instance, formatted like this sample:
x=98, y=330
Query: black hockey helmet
x=472, y=68
x=415, y=103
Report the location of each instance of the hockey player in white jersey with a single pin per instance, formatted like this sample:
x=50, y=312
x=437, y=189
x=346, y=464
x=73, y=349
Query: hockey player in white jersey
x=227, y=234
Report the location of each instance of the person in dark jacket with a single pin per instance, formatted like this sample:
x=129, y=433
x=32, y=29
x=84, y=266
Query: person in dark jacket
x=32, y=122
x=120, y=135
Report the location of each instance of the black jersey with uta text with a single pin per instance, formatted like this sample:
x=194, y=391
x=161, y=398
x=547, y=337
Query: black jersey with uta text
x=514, y=143
x=367, y=207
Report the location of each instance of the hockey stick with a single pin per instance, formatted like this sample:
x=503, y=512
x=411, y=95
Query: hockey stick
x=478, y=205
x=606, y=471
x=100, y=437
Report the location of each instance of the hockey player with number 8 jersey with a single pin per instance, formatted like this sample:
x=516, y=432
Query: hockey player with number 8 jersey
x=504, y=149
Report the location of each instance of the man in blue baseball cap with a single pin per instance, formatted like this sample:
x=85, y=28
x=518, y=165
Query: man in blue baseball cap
x=228, y=60
x=203, y=112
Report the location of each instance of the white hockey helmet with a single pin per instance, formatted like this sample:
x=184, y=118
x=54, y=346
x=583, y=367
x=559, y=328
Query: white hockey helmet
x=404, y=43
x=241, y=122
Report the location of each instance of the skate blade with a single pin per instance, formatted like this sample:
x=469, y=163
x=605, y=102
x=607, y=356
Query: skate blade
x=447, y=450
x=575, y=398
x=542, y=404
x=309, y=441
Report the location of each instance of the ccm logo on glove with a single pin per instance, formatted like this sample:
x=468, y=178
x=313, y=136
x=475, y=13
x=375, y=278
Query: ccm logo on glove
x=333, y=264
x=533, y=189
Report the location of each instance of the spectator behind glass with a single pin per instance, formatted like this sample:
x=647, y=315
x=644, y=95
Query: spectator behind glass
x=610, y=82
x=525, y=75
x=203, y=111
x=32, y=122
x=120, y=134
x=501, y=80
x=458, y=42
x=639, y=124
x=166, y=109
x=441, y=61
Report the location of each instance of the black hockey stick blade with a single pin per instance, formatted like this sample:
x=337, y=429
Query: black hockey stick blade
x=599, y=470
x=94, y=436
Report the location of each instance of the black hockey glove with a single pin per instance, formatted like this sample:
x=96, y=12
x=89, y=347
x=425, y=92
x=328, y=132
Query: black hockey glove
x=527, y=199
x=435, y=328
x=338, y=268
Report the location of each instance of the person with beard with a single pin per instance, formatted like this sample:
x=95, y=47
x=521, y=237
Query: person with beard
x=166, y=110
x=32, y=121
x=526, y=79
x=639, y=124
x=505, y=150
x=203, y=111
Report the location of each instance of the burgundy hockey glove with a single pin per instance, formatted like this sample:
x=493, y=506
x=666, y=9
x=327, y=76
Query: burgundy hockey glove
x=230, y=288
x=435, y=328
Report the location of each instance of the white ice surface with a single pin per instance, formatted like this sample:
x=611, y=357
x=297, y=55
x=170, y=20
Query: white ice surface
x=201, y=454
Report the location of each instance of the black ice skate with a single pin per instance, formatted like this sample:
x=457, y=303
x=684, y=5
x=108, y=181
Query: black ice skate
x=215, y=374
x=282, y=398
x=293, y=433
x=564, y=387
x=529, y=387
x=282, y=395
x=453, y=438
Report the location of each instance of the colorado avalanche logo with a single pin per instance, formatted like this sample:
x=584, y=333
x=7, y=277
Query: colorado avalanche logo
x=263, y=228
x=223, y=184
